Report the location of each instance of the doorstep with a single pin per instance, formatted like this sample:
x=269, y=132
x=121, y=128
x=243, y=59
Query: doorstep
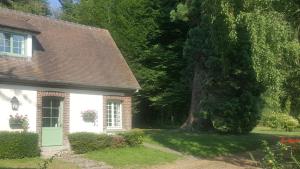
x=47, y=152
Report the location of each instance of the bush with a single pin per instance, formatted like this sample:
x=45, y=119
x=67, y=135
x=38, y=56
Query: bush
x=118, y=142
x=15, y=145
x=133, y=138
x=85, y=142
x=279, y=120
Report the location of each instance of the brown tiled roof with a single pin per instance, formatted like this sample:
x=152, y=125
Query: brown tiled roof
x=66, y=54
x=21, y=24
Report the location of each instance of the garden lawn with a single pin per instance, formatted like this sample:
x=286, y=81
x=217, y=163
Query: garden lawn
x=207, y=145
x=132, y=157
x=277, y=132
x=33, y=163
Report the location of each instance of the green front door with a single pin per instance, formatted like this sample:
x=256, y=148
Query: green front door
x=52, y=131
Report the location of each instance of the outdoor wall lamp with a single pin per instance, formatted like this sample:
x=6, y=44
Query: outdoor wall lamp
x=15, y=103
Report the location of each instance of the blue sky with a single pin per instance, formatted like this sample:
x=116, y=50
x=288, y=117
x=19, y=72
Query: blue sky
x=54, y=3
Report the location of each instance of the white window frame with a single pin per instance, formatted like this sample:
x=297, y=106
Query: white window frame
x=113, y=117
x=27, y=43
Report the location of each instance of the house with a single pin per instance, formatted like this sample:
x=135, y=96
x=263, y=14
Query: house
x=56, y=72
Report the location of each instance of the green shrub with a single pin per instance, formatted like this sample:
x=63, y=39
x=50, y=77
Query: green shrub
x=85, y=142
x=118, y=141
x=18, y=145
x=133, y=138
x=279, y=120
x=289, y=123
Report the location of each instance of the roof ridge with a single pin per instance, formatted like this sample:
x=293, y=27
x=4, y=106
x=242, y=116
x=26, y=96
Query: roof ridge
x=52, y=19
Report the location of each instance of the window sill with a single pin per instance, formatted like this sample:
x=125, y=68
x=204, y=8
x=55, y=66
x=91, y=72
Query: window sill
x=114, y=128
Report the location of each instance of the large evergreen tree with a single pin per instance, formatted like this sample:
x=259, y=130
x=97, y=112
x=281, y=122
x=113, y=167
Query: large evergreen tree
x=152, y=45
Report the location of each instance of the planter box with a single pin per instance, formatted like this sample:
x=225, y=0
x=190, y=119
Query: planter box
x=16, y=126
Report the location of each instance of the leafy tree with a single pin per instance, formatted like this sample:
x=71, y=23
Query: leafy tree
x=237, y=49
x=151, y=44
x=39, y=7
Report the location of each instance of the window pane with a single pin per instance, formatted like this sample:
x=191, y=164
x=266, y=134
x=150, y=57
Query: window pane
x=55, y=103
x=55, y=112
x=7, y=43
x=117, y=115
x=46, y=102
x=54, y=122
x=46, y=112
x=46, y=122
x=109, y=114
x=18, y=44
x=1, y=42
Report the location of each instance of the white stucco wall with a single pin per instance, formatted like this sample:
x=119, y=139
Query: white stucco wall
x=80, y=102
x=27, y=99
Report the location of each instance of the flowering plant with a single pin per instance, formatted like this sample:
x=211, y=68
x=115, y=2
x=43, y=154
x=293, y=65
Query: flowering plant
x=89, y=116
x=281, y=156
x=18, y=122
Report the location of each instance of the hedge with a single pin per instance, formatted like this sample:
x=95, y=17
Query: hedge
x=84, y=142
x=14, y=145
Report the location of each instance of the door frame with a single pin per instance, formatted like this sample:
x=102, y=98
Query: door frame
x=65, y=114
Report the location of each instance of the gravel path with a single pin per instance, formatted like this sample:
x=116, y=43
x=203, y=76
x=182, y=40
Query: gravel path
x=64, y=154
x=84, y=163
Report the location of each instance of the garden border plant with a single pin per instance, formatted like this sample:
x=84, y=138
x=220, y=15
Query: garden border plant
x=84, y=142
x=16, y=145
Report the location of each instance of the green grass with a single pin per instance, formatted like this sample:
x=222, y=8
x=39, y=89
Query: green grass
x=33, y=163
x=132, y=157
x=276, y=132
x=208, y=145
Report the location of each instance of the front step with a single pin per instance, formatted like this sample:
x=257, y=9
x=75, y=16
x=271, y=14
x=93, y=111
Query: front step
x=48, y=152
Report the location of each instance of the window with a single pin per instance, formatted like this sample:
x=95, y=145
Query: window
x=11, y=43
x=114, y=115
x=51, y=108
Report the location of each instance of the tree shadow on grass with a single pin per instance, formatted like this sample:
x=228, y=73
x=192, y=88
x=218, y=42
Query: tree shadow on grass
x=233, y=149
x=209, y=145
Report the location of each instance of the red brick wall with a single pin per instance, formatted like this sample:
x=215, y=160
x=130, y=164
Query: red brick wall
x=66, y=113
x=126, y=111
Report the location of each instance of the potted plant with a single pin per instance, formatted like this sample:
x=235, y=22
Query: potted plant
x=18, y=122
x=89, y=116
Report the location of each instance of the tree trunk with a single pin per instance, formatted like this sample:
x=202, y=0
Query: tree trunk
x=194, y=122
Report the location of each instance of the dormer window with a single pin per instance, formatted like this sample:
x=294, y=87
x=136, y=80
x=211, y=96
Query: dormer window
x=15, y=44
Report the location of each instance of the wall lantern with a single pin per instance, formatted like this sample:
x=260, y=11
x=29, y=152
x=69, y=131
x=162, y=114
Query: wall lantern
x=15, y=103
